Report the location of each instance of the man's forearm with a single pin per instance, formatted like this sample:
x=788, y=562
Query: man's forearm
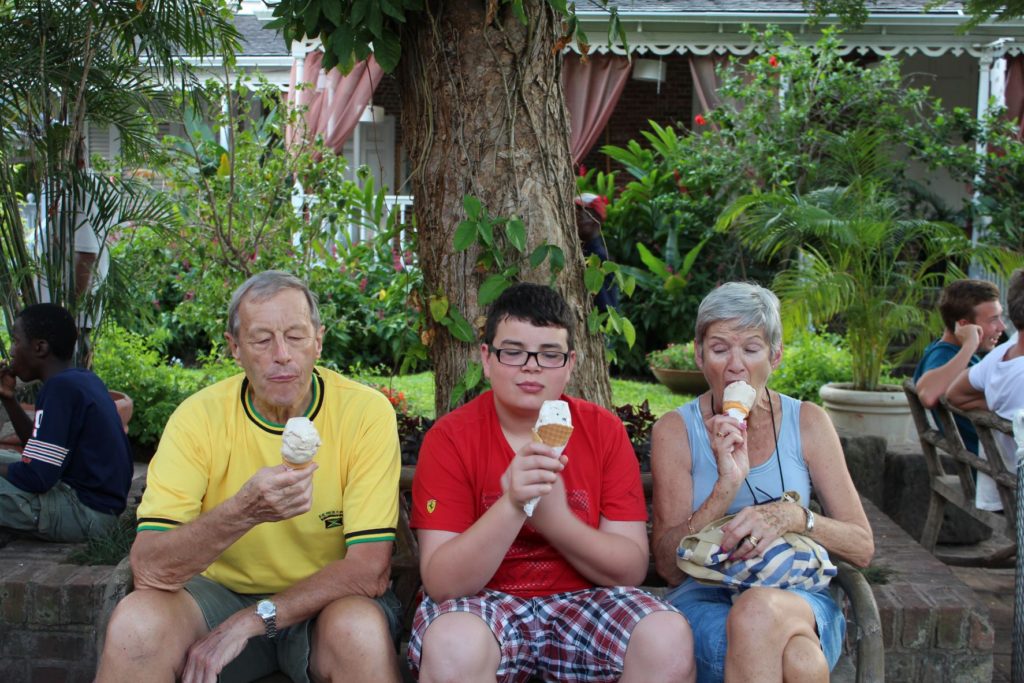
x=20, y=420
x=166, y=560
x=932, y=385
x=465, y=563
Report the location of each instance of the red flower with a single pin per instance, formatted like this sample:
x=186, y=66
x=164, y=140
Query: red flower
x=362, y=284
x=582, y=171
x=700, y=120
x=773, y=60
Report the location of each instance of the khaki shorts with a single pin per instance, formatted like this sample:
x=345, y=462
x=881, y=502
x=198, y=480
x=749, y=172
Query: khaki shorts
x=56, y=515
x=288, y=652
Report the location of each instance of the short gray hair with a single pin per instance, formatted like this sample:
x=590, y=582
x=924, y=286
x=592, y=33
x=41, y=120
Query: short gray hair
x=265, y=285
x=750, y=305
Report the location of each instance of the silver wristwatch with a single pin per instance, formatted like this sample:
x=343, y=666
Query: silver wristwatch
x=809, y=525
x=267, y=611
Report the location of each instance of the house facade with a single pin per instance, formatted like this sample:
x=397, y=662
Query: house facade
x=672, y=45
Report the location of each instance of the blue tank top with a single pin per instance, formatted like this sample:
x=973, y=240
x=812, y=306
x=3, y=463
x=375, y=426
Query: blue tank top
x=764, y=479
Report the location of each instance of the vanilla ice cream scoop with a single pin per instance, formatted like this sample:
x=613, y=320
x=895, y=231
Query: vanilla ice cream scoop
x=553, y=428
x=738, y=399
x=299, y=442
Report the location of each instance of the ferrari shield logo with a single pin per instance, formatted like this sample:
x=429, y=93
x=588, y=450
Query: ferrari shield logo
x=431, y=504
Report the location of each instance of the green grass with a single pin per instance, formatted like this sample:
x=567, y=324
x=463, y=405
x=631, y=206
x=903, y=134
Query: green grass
x=109, y=548
x=419, y=392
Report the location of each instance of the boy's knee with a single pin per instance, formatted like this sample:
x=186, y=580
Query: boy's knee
x=457, y=647
x=662, y=643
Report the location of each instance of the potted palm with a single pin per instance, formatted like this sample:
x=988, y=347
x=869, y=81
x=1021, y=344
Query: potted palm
x=676, y=368
x=850, y=254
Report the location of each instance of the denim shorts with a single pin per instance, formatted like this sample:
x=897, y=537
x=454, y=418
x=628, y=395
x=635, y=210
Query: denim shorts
x=707, y=608
x=288, y=653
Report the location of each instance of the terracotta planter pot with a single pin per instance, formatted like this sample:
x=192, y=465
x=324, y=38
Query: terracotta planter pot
x=689, y=382
x=883, y=413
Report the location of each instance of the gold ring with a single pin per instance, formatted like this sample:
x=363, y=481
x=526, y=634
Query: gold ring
x=754, y=540
x=718, y=434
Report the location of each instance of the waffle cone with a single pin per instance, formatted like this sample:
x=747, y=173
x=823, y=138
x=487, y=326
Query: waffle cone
x=296, y=465
x=735, y=405
x=553, y=435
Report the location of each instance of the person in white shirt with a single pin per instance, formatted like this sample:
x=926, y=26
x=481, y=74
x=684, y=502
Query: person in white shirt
x=997, y=384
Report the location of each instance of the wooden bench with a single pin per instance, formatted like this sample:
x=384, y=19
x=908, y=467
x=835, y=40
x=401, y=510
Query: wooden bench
x=941, y=443
x=864, y=626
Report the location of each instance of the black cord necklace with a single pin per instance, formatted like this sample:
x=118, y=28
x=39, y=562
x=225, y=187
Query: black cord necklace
x=778, y=456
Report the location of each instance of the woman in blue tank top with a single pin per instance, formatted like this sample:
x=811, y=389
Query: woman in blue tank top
x=707, y=464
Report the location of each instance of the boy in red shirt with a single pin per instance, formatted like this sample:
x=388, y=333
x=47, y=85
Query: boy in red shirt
x=518, y=596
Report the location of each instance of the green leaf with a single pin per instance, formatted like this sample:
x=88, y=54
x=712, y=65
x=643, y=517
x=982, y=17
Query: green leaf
x=459, y=327
x=474, y=375
x=517, y=8
x=691, y=256
x=332, y=10
x=628, y=285
x=516, y=232
x=492, y=288
x=653, y=263
x=388, y=50
x=310, y=18
x=594, y=321
x=393, y=10
x=458, y=391
x=629, y=332
x=438, y=307
x=557, y=259
x=559, y=7
x=374, y=21
x=593, y=278
x=539, y=254
x=465, y=235
x=486, y=231
x=340, y=43
x=359, y=10
x=472, y=206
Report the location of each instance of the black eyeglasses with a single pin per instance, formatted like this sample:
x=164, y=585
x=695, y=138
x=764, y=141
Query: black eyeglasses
x=518, y=357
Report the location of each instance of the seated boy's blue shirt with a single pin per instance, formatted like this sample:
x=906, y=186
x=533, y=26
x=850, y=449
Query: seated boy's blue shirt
x=77, y=438
x=936, y=355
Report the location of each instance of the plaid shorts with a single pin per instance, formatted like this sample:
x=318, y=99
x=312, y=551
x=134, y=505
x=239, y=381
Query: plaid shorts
x=577, y=636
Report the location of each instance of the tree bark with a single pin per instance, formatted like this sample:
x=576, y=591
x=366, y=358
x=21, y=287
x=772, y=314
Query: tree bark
x=484, y=115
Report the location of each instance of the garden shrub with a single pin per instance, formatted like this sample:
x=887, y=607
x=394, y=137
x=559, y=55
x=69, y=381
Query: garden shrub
x=130, y=363
x=812, y=360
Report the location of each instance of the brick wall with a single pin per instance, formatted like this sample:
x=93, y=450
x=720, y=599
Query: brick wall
x=53, y=614
x=934, y=627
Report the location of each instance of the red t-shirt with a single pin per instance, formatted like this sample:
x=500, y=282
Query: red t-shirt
x=458, y=477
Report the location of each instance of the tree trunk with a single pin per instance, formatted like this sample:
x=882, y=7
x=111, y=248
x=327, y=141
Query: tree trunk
x=484, y=115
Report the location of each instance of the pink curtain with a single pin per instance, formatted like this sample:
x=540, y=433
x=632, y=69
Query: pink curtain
x=704, y=70
x=591, y=92
x=1015, y=91
x=332, y=117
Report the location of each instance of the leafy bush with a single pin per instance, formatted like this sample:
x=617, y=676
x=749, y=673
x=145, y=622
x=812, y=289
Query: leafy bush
x=129, y=362
x=809, y=362
x=673, y=357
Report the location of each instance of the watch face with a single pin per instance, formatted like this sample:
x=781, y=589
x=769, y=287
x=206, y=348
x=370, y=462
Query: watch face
x=265, y=608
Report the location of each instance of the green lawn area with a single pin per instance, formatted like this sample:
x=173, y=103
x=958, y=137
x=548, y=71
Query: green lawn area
x=419, y=392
